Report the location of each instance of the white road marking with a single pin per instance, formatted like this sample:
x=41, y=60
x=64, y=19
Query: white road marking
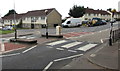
x=57, y=42
x=59, y=49
x=29, y=49
x=49, y=47
x=30, y=37
x=71, y=44
x=87, y=47
x=9, y=55
x=2, y=47
x=93, y=33
x=101, y=40
x=68, y=57
x=98, y=49
x=48, y=66
x=72, y=51
x=92, y=55
x=23, y=37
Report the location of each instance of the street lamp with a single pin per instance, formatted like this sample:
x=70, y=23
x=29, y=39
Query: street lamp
x=46, y=11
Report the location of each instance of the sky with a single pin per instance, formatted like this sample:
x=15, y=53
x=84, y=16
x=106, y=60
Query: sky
x=62, y=6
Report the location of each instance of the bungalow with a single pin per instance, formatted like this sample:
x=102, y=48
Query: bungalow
x=36, y=18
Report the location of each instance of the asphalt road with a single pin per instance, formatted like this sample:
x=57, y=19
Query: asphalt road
x=37, y=58
x=44, y=56
x=40, y=56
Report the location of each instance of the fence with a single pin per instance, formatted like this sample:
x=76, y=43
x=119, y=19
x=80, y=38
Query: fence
x=115, y=35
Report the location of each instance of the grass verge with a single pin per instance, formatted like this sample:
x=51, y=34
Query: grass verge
x=6, y=31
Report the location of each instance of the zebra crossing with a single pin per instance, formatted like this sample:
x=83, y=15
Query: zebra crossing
x=71, y=45
x=23, y=37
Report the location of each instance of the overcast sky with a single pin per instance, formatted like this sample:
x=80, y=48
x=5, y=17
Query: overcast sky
x=63, y=6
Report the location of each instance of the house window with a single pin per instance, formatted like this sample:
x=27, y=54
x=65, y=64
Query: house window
x=36, y=18
x=33, y=19
x=42, y=18
x=16, y=20
x=89, y=14
x=86, y=18
x=23, y=18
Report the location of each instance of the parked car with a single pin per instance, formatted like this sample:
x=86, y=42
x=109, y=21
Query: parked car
x=97, y=22
x=7, y=28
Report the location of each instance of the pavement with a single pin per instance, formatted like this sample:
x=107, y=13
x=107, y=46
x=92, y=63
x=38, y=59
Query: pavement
x=105, y=57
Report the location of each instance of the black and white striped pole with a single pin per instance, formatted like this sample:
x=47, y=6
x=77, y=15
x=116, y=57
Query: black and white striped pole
x=111, y=27
x=46, y=11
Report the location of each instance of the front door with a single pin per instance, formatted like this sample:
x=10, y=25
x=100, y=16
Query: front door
x=32, y=26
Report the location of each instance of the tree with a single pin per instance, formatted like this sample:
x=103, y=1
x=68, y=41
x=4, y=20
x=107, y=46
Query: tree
x=11, y=12
x=77, y=11
x=110, y=9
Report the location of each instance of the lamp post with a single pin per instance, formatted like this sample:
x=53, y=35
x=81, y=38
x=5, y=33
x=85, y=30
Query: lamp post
x=46, y=11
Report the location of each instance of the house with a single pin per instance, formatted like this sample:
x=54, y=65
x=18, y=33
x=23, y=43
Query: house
x=91, y=13
x=105, y=15
x=12, y=19
x=117, y=15
x=36, y=18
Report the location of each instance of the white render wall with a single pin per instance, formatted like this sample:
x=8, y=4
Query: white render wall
x=90, y=16
x=28, y=20
x=11, y=22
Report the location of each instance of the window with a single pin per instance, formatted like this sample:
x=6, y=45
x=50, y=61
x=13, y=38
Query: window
x=32, y=19
x=16, y=20
x=42, y=18
x=89, y=14
x=23, y=18
x=86, y=18
x=68, y=22
x=36, y=18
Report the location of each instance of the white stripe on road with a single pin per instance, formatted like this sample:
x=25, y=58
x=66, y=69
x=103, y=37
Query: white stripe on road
x=30, y=37
x=71, y=44
x=48, y=66
x=68, y=57
x=23, y=37
x=101, y=40
x=72, y=51
x=86, y=47
x=29, y=49
x=57, y=42
x=59, y=49
x=9, y=55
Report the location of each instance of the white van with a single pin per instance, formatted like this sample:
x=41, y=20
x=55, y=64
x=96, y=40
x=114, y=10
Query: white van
x=72, y=22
